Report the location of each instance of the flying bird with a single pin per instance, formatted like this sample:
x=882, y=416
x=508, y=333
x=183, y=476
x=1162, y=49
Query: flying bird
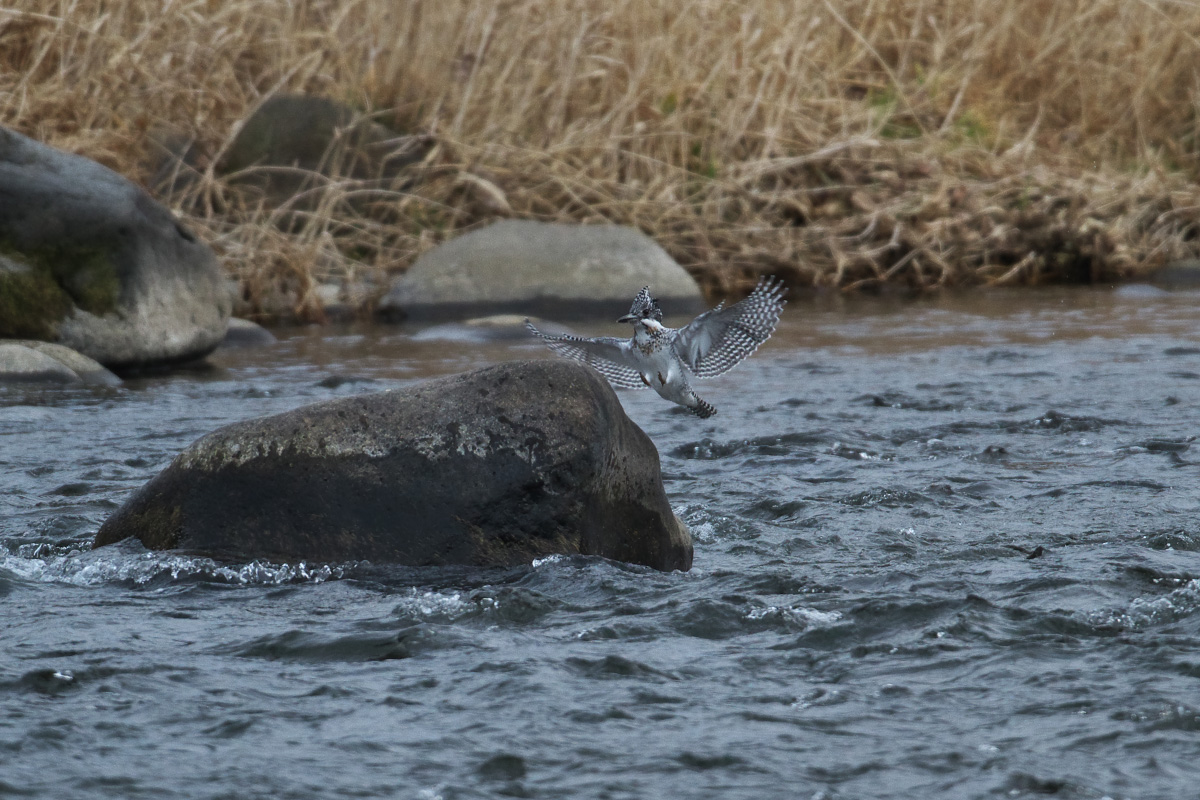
x=663, y=358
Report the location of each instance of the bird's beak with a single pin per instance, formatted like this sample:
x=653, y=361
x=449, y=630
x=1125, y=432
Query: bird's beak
x=628, y=318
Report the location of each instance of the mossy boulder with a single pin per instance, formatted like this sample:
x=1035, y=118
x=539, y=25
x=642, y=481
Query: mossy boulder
x=89, y=260
x=490, y=468
x=31, y=301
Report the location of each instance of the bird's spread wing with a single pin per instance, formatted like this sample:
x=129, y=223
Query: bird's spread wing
x=717, y=340
x=606, y=355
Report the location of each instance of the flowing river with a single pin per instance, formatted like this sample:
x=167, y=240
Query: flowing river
x=944, y=549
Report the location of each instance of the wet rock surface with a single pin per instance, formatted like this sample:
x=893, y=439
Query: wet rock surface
x=90, y=261
x=491, y=468
x=547, y=269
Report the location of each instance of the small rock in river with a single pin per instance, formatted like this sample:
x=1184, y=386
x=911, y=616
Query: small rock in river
x=1181, y=274
x=26, y=361
x=244, y=333
x=493, y=467
x=337, y=381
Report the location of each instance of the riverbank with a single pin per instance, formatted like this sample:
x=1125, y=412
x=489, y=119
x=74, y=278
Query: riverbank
x=843, y=145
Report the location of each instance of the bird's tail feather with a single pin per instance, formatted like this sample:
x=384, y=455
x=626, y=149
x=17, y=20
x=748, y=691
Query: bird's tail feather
x=703, y=409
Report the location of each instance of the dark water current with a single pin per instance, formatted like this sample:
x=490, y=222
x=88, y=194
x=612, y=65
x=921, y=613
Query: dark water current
x=863, y=619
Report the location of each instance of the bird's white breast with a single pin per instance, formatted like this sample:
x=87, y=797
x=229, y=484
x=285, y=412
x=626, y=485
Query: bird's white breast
x=654, y=356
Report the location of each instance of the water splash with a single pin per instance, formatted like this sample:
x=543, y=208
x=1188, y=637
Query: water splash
x=808, y=618
x=444, y=606
x=1143, y=612
x=92, y=568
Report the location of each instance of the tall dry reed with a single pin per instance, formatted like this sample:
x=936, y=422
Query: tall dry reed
x=838, y=143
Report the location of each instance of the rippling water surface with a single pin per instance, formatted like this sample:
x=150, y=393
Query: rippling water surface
x=943, y=550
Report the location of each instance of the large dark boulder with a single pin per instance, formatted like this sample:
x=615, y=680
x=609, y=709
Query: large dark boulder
x=494, y=467
x=90, y=261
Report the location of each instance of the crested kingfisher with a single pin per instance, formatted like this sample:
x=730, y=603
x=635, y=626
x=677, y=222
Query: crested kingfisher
x=663, y=358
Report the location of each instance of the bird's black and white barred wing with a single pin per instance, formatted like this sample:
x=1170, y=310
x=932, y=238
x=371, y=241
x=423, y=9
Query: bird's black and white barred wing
x=717, y=340
x=608, y=356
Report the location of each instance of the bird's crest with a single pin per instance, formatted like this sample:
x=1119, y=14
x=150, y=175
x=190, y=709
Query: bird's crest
x=645, y=306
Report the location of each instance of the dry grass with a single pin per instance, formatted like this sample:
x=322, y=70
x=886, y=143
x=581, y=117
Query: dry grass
x=838, y=143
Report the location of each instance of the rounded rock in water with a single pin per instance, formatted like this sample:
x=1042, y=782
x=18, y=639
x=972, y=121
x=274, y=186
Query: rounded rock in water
x=494, y=467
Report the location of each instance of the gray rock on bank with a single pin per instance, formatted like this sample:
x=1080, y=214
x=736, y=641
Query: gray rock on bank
x=244, y=333
x=1183, y=274
x=490, y=468
x=27, y=361
x=90, y=261
x=309, y=136
x=544, y=269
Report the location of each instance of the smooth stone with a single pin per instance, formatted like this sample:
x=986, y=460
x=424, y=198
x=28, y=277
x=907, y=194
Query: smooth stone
x=547, y=269
x=1139, y=291
x=498, y=328
x=453, y=332
x=334, y=305
x=494, y=467
x=328, y=293
x=509, y=327
x=1182, y=274
x=34, y=361
x=498, y=321
x=244, y=333
x=90, y=261
x=22, y=364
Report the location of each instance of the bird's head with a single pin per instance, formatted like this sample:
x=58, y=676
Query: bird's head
x=644, y=307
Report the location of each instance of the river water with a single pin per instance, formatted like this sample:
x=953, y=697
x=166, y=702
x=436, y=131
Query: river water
x=863, y=620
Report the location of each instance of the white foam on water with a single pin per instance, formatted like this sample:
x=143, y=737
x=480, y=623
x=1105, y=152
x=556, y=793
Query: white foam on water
x=815, y=617
x=91, y=568
x=1145, y=612
x=444, y=605
x=808, y=617
x=705, y=525
x=704, y=532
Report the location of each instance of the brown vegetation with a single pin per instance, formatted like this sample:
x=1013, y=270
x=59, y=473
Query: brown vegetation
x=837, y=143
